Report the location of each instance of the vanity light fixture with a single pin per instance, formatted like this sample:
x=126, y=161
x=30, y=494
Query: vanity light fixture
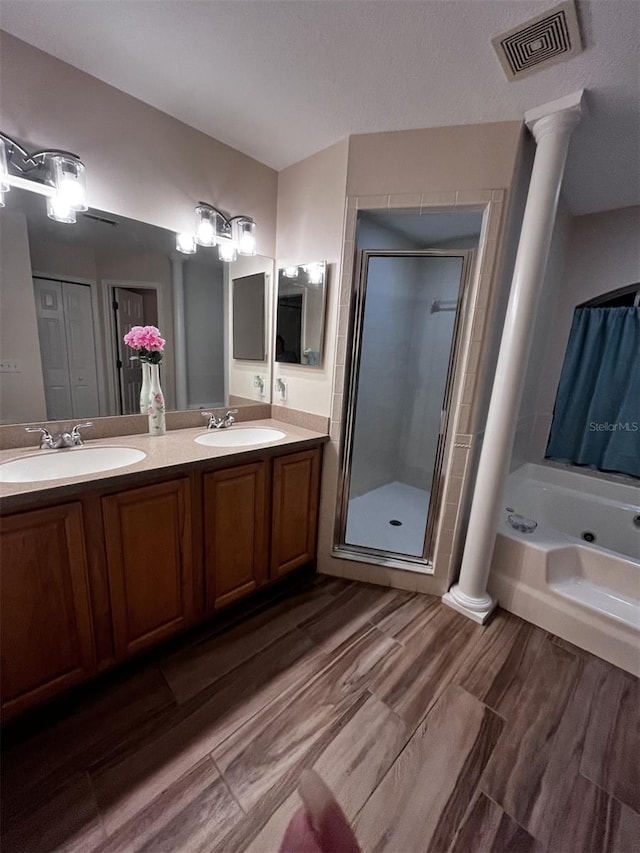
x=57, y=175
x=243, y=228
x=308, y=275
x=233, y=237
x=186, y=243
x=205, y=225
x=227, y=250
x=315, y=273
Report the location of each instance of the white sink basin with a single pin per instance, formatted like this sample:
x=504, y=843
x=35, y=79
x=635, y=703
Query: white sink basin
x=239, y=437
x=59, y=464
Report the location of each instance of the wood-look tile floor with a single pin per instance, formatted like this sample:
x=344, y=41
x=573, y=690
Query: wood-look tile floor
x=434, y=733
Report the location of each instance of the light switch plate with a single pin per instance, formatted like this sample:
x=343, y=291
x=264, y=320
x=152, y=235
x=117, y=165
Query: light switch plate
x=10, y=365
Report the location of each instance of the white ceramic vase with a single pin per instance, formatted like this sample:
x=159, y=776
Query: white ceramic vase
x=155, y=407
x=145, y=388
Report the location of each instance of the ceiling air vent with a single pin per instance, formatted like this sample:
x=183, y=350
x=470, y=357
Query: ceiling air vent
x=544, y=40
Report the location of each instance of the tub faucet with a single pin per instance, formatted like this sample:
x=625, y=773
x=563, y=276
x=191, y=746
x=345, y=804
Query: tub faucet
x=62, y=439
x=220, y=423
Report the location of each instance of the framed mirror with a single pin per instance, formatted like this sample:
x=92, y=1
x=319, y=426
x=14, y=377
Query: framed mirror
x=300, y=314
x=68, y=294
x=248, y=294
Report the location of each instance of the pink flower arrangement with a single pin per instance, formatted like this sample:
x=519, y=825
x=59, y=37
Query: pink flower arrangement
x=148, y=341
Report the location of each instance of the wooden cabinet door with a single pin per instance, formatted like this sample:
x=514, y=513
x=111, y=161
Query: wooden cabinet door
x=296, y=480
x=46, y=634
x=235, y=529
x=148, y=544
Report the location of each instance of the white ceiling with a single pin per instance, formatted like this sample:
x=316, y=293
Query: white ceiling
x=282, y=79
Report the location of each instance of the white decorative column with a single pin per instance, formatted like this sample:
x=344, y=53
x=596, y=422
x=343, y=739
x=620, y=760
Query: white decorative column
x=551, y=125
x=179, y=331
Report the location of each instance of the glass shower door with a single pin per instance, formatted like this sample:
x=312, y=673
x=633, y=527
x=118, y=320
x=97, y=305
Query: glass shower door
x=405, y=328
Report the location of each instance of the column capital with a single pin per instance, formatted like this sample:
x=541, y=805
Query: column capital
x=556, y=117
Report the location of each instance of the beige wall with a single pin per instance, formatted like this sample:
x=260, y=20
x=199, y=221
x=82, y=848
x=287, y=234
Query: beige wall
x=311, y=198
x=140, y=162
x=21, y=394
x=432, y=160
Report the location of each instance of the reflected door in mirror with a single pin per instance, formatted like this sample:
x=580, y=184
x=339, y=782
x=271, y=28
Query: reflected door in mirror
x=67, y=348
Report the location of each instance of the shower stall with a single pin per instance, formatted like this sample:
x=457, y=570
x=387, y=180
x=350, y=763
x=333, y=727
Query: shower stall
x=404, y=342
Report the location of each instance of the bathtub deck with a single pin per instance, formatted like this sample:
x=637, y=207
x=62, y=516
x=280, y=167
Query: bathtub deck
x=434, y=733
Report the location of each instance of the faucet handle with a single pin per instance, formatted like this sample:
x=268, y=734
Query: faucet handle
x=45, y=432
x=228, y=418
x=47, y=439
x=212, y=419
x=75, y=432
x=78, y=427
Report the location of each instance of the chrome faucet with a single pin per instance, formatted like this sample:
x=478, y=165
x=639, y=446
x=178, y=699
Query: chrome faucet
x=62, y=439
x=220, y=423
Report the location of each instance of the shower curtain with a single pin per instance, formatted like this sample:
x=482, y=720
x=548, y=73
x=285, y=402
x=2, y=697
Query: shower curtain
x=596, y=420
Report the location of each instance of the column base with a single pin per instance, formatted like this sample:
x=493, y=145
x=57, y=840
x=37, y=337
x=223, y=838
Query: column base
x=477, y=609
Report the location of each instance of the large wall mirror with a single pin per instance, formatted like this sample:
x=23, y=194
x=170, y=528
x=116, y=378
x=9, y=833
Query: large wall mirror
x=302, y=297
x=68, y=294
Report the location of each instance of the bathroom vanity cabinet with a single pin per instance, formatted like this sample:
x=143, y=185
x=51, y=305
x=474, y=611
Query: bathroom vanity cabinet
x=116, y=570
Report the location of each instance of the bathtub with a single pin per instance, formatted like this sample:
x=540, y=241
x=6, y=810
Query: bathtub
x=587, y=592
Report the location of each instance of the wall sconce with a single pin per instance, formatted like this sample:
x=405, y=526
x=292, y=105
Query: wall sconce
x=57, y=175
x=233, y=237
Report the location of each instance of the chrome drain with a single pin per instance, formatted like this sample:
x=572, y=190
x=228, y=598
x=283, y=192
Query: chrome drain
x=588, y=536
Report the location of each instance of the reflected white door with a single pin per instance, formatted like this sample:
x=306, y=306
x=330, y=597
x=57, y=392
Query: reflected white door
x=81, y=350
x=129, y=311
x=67, y=347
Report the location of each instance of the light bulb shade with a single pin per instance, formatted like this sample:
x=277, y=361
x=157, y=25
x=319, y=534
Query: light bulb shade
x=68, y=177
x=226, y=250
x=315, y=273
x=4, y=170
x=186, y=243
x=205, y=225
x=243, y=235
x=290, y=272
x=59, y=209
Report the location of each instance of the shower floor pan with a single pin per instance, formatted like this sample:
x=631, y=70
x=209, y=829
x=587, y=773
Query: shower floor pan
x=372, y=519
